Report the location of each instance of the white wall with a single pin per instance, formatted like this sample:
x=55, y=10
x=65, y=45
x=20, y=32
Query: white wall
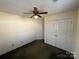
x=39, y=28
x=61, y=16
x=15, y=31
x=76, y=51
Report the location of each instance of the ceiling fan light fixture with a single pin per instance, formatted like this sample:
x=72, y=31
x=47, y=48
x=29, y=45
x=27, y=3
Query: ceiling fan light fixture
x=36, y=17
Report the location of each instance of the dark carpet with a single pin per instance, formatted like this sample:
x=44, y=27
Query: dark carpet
x=37, y=50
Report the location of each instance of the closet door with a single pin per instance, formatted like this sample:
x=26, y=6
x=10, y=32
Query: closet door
x=50, y=31
x=59, y=33
x=64, y=34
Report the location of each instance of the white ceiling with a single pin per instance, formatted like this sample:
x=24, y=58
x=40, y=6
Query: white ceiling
x=20, y=6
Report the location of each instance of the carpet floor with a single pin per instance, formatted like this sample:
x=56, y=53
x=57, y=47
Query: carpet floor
x=37, y=50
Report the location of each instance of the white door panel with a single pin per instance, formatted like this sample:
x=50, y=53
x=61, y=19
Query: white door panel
x=59, y=32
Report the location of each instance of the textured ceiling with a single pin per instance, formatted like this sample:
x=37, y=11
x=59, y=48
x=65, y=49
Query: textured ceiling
x=20, y=6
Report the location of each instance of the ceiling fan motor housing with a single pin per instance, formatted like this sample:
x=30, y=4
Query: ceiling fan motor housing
x=37, y=13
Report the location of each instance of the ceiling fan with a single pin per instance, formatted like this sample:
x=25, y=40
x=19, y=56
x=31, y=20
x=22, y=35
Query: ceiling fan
x=36, y=12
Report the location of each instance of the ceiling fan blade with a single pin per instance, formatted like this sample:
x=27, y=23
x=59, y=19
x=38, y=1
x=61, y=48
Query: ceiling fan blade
x=39, y=16
x=32, y=16
x=28, y=13
x=43, y=12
